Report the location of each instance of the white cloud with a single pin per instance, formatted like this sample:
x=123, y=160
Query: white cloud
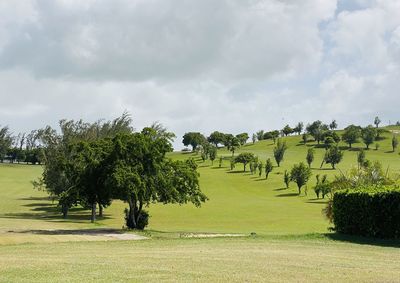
x=201, y=65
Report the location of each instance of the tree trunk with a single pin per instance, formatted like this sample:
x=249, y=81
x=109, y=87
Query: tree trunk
x=93, y=217
x=130, y=218
x=64, y=211
x=100, y=210
x=299, y=189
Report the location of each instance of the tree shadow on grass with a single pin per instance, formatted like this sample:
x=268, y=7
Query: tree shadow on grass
x=287, y=195
x=92, y=232
x=394, y=243
x=52, y=217
x=280, y=189
x=236, y=172
x=37, y=198
x=317, y=201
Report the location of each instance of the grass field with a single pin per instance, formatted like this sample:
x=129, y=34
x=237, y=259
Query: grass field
x=292, y=242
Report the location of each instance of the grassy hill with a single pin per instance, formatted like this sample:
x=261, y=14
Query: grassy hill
x=290, y=241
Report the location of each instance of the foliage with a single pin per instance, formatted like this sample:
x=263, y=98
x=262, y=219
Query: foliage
x=316, y=130
x=287, y=130
x=286, y=179
x=333, y=125
x=216, y=138
x=299, y=128
x=322, y=186
x=351, y=134
x=361, y=158
x=279, y=151
x=268, y=167
x=333, y=156
x=395, y=142
x=371, y=212
x=212, y=153
x=300, y=174
x=377, y=121
x=368, y=135
x=245, y=158
x=243, y=137
x=271, y=135
x=194, y=139
x=5, y=141
x=310, y=156
x=260, y=135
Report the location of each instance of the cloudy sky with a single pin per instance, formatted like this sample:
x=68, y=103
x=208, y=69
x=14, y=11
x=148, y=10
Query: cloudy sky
x=203, y=65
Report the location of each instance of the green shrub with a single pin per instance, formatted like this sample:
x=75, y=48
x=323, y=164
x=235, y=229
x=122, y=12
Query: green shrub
x=371, y=212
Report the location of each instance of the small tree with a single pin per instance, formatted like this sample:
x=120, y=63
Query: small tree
x=212, y=153
x=395, y=143
x=368, y=135
x=361, y=158
x=333, y=156
x=243, y=137
x=260, y=135
x=377, y=121
x=333, y=125
x=234, y=144
x=299, y=128
x=279, y=151
x=377, y=146
x=305, y=138
x=310, y=156
x=286, y=178
x=300, y=174
x=254, y=138
x=220, y=161
x=268, y=167
x=260, y=167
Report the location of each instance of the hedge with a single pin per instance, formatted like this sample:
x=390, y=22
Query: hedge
x=371, y=212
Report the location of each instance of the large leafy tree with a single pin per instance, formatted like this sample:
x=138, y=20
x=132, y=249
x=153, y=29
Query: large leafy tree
x=351, y=134
x=299, y=128
x=140, y=174
x=216, y=138
x=243, y=137
x=193, y=139
x=287, y=130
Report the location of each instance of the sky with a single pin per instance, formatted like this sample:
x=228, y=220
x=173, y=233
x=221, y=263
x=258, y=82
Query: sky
x=233, y=66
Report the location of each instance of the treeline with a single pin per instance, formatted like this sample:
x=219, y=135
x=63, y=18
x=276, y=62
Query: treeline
x=91, y=164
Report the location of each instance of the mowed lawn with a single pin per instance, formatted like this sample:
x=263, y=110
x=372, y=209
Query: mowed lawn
x=289, y=259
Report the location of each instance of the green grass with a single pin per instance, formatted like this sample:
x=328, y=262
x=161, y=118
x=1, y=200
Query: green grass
x=239, y=203
x=281, y=259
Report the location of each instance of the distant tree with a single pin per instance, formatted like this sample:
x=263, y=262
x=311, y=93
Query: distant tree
x=243, y=137
x=300, y=174
x=232, y=163
x=287, y=130
x=254, y=138
x=244, y=158
x=322, y=186
x=220, y=161
x=5, y=142
x=260, y=167
x=351, y=134
x=333, y=156
x=279, y=151
x=377, y=121
x=395, y=142
x=377, y=145
x=271, y=135
x=316, y=130
x=268, y=167
x=331, y=136
x=194, y=139
x=228, y=140
x=299, y=128
x=368, y=135
x=305, y=138
x=260, y=135
x=310, y=156
x=361, y=158
x=212, y=153
x=333, y=125
x=216, y=138
x=234, y=144
x=286, y=178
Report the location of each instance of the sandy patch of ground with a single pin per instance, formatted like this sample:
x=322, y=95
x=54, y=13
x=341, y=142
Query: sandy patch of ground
x=214, y=235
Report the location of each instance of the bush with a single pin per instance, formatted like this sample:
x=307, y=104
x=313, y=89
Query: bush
x=371, y=212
